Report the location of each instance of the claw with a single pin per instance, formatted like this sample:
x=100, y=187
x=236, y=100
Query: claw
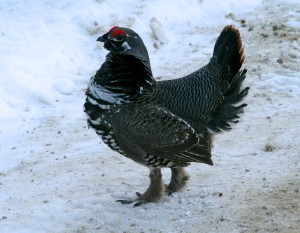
x=126, y=202
x=138, y=204
x=169, y=193
x=138, y=194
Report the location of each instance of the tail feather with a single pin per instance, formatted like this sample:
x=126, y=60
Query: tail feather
x=228, y=112
x=229, y=54
x=233, y=94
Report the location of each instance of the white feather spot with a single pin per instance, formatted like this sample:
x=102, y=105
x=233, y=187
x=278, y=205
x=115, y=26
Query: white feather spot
x=99, y=92
x=107, y=137
x=126, y=46
x=112, y=141
x=95, y=122
x=92, y=101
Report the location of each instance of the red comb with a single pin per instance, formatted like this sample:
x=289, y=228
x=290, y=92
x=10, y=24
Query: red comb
x=114, y=27
x=116, y=31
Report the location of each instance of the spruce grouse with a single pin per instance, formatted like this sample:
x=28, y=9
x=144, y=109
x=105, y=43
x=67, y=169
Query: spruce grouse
x=164, y=123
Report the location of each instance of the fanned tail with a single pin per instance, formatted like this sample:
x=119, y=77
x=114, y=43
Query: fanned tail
x=229, y=53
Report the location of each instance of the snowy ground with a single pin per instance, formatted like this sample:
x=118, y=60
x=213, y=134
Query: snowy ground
x=56, y=175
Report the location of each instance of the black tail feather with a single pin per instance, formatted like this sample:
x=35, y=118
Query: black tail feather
x=233, y=94
x=228, y=112
x=229, y=52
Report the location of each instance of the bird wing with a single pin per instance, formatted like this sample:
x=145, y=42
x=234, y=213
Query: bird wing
x=163, y=136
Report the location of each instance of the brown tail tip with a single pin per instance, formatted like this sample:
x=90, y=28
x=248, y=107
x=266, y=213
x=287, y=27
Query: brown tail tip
x=229, y=50
x=239, y=41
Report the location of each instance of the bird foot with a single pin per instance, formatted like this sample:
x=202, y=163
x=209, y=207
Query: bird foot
x=142, y=199
x=178, y=181
x=153, y=193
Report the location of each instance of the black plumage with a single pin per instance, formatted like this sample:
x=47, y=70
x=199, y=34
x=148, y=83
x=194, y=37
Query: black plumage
x=167, y=123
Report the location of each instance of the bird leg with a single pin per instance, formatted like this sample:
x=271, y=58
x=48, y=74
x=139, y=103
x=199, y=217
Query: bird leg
x=178, y=180
x=154, y=191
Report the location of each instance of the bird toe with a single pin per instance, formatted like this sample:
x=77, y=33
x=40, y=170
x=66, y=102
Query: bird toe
x=125, y=202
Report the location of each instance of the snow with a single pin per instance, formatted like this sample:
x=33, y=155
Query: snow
x=56, y=175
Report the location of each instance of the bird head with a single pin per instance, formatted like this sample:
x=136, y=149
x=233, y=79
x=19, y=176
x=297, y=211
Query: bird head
x=124, y=41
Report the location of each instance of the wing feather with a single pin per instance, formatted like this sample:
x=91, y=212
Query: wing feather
x=160, y=133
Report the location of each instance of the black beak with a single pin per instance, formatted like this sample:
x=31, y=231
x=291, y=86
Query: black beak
x=103, y=38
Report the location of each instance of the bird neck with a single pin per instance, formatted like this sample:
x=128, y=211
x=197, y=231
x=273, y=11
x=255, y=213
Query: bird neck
x=120, y=80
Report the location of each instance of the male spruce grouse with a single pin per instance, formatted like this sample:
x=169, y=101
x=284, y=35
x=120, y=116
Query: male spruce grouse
x=166, y=123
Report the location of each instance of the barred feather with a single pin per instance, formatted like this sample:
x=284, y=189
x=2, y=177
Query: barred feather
x=167, y=123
